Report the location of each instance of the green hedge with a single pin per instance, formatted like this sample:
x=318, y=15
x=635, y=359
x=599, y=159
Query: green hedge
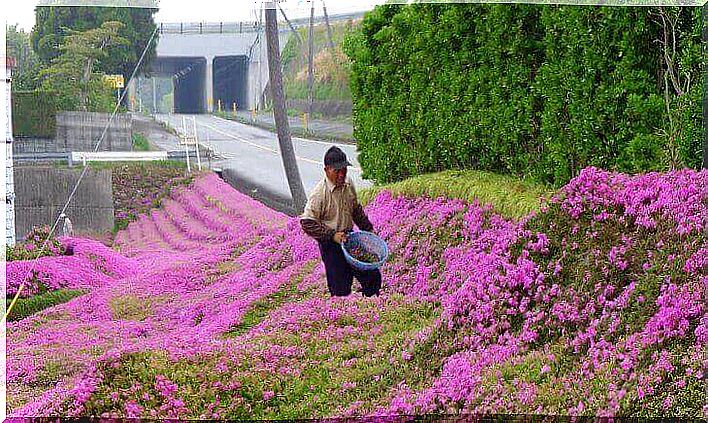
x=531, y=90
x=34, y=114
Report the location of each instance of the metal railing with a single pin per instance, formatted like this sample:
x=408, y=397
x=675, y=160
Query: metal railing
x=243, y=27
x=210, y=28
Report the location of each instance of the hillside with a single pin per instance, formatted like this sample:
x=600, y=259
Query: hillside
x=331, y=67
x=216, y=307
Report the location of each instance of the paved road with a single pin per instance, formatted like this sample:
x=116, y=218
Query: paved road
x=254, y=152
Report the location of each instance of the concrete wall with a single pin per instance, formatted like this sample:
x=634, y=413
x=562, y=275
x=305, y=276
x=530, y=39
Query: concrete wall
x=211, y=46
x=34, y=145
x=40, y=194
x=80, y=131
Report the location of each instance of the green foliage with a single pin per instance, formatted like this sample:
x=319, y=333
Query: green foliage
x=18, y=47
x=34, y=113
x=509, y=196
x=71, y=74
x=534, y=90
x=140, y=143
x=53, y=24
x=25, y=307
x=331, y=68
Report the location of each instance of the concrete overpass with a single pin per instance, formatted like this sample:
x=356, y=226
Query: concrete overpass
x=204, y=64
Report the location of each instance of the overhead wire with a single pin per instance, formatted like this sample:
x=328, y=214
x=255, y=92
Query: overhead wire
x=78, y=182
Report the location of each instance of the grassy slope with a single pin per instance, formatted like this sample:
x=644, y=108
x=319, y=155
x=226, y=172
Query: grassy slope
x=295, y=62
x=509, y=196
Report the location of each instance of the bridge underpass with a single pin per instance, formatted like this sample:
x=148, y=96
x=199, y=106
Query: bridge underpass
x=231, y=82
x=187, y=83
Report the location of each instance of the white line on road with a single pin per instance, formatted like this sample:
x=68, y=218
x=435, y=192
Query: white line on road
x=241, y=139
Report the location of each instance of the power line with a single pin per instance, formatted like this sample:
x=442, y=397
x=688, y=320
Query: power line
x=78, y=182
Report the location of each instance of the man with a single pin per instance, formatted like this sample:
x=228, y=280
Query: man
x=329, y=215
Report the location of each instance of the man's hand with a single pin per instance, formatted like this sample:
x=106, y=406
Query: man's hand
x=339, y=237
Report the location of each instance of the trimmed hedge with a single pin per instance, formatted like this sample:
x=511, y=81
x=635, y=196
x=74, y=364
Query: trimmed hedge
x=34, y=114
x=530, y=90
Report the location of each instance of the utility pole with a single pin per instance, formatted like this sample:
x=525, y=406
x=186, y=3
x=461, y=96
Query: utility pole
x=310, y=70
x=281, y=119
x=9, y=64
x=330, y=41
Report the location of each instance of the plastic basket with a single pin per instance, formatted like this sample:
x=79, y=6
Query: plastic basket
x=368, y=242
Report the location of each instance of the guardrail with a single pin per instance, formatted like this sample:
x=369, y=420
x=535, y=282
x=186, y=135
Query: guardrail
x=127, y=156
x=117, y=156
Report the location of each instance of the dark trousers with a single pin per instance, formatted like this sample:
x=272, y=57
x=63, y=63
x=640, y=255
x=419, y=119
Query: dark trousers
x=340, y=274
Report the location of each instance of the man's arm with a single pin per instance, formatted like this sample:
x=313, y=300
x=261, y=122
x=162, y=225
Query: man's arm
x=316, y=229
x=311, y=219
x=361, y=219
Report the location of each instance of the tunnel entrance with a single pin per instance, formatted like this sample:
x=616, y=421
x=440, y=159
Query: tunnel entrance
x=188, y=82
x=231, y=82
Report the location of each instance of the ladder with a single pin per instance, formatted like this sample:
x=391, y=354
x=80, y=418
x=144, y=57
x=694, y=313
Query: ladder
x=188, y=138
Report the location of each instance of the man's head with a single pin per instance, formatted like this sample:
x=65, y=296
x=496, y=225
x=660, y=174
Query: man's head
x=336, y=163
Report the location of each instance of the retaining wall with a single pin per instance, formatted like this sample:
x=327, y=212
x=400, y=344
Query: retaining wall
x=40, y=194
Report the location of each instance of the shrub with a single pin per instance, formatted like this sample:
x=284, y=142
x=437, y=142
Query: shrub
x=534, y=90
x=34, y=114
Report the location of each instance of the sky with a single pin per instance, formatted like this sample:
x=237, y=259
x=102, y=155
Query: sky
x=21, y=12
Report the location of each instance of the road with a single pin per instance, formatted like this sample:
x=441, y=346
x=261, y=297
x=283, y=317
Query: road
x=255, y=154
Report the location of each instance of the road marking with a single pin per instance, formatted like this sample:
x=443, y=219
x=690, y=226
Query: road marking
x=241, y=139
x=343, y=144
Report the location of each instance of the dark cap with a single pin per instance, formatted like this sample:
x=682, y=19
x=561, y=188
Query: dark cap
x=335, y=157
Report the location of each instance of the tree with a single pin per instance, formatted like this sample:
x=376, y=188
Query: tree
x=18, y=46
x=71, y=74
x=281, y=120
x=54, y=23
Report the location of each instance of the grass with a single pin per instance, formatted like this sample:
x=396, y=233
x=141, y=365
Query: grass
x=25, y=307
x=511, y=197
x=130, y=307
x=140, y=143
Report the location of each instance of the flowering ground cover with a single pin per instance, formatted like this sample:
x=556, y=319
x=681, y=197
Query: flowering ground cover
x=32, y=246
x=138, y=187
x=216, y=307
